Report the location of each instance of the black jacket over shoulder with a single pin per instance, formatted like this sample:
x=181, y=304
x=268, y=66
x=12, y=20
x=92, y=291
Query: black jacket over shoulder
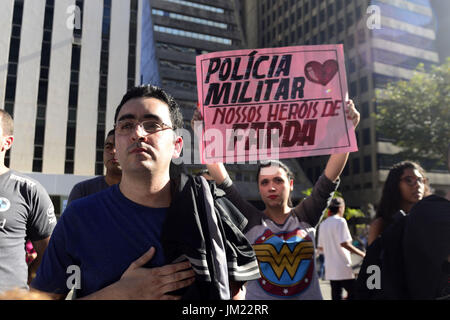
x=206, y=228
x=412, y=254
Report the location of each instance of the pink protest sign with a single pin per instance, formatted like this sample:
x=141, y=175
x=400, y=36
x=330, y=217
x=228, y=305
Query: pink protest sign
x=273, y=103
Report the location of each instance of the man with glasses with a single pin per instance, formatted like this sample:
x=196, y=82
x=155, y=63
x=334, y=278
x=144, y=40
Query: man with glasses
x=112, y=176
x=26, y=212
x=114, y=238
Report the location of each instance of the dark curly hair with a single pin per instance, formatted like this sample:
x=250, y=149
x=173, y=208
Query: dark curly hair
x=151, y=91
x=391, y=197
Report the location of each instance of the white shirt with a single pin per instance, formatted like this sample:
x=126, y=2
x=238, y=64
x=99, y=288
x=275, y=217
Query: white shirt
x=332, y=232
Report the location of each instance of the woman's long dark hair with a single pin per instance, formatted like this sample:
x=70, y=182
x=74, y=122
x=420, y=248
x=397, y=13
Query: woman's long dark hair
x=391, y=197
x=276, y=163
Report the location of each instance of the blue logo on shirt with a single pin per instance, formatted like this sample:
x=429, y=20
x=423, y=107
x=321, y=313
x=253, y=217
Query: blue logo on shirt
x=4, y=204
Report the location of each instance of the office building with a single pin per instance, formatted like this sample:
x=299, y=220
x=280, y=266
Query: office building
x=65, y=66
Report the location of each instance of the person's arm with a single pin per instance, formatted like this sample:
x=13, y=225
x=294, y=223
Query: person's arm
x=41, y=222
x=345, y=238
x=348, y=245
x=336, y=162
x=310, y=209
x=218, y=172
x=335, y=165
x=39, y=246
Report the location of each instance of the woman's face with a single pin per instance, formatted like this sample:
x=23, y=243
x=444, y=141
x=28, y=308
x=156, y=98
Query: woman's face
x=412, y=186
x=274, y=186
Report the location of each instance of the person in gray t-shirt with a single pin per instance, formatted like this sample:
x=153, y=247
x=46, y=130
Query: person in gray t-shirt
x=26, y=212
x=113, y=173
x=283, y=236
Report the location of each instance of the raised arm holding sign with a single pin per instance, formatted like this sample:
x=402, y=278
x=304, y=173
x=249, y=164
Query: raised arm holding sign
x=273, y=103
x=311, y=119
x=281, y=223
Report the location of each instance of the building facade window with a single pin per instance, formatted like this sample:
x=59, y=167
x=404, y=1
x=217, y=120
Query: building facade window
x=349, y=19
x=198, y=6
x=194, y=35
x=73, y=96
x=314, y=22
x=322, y=37
x=39, y=131
x=103, y=88
x=362, y=60
x=353, y=89
x=361, y=36
x=132, y=44
x=331, y=31
x=340, y=25
x=363, y=84
x=365, y=112
x=366, y=136
x=358, y=12
x=350, y=41
x=351, y=65
x=330, y=9
x=367, y=164
x=356, y=166
x=13, y=59
x=322, y=16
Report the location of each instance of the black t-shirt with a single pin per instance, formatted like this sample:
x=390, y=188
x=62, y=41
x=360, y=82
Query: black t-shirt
x=87, y=187
x=426, y=249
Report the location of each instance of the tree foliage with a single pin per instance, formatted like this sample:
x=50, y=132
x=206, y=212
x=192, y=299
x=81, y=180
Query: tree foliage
x=348, y=213
x=415, y=114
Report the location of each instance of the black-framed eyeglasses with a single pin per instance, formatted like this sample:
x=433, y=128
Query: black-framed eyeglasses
x=127, y=126
x=411, y=181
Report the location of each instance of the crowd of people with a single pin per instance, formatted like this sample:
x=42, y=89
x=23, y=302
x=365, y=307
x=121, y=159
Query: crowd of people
x=140, y=233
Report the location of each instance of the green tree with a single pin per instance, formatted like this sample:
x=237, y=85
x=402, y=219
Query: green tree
x=348, y=213
x=416, y=113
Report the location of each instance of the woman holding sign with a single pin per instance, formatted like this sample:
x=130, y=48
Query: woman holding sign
x=282, y=236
